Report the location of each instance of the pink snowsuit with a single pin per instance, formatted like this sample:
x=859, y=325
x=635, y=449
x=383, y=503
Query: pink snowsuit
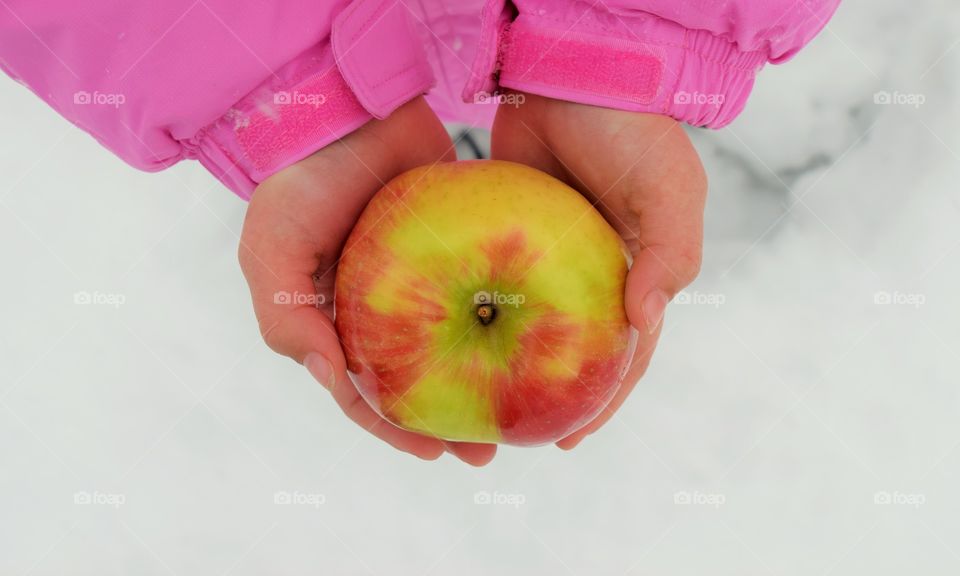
x=249, y=87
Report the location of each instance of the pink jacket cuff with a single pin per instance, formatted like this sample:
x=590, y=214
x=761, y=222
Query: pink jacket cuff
x=320, y=96
x=638, y=62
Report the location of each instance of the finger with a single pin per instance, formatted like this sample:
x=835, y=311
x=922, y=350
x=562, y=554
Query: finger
x=357, y=409
x=297, y=322
x=346, y=396
x=307, y=334
x=294, y=319
x=638, y=366
x=472, y=453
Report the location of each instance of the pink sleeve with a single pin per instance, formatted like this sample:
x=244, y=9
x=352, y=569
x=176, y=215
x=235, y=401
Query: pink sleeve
x=246, y=87
x=695, y=60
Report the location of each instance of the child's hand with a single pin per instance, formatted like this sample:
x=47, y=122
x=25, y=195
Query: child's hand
x=295, y=228
x=643, y=174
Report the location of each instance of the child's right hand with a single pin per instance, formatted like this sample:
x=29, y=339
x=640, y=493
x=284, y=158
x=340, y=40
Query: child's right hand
x=295, y=228
x=639, y=170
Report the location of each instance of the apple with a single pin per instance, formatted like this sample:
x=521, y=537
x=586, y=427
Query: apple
x=482, y=301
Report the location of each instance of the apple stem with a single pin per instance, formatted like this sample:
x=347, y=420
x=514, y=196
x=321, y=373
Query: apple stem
x=486, y=313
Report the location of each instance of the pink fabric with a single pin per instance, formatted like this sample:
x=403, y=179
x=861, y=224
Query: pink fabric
x=249, y=87
x=695, y=61
x=586, y=64
x=321, y=95
x=281, y=123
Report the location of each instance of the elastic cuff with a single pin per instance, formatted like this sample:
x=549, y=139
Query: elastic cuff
x=321, y=96
x=637, y=62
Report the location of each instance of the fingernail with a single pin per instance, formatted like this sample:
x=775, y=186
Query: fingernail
x=654, y=305
x=321, y=369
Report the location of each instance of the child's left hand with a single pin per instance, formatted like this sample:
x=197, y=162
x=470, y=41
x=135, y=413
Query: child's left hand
x=296, y=225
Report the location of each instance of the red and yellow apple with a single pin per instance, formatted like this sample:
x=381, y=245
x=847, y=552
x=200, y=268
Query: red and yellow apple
x=482, y=301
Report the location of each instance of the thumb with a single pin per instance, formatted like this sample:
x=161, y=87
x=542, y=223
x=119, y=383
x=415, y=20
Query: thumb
x=661, y=219
x=658, y=273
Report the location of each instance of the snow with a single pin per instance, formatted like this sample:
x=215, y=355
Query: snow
x=803, y=401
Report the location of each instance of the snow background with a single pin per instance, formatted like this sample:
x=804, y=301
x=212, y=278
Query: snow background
x=800, y=405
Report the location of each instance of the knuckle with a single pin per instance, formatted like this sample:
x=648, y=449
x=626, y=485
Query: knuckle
x=245, y=258
x=698, y=182
x=272, y=337
x=689, y=261
x=681, y=264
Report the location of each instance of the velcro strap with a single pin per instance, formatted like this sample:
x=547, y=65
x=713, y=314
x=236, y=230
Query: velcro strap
x=581, y=62
x=271, y=129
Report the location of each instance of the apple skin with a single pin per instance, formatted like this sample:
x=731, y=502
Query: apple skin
x=436, y=239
